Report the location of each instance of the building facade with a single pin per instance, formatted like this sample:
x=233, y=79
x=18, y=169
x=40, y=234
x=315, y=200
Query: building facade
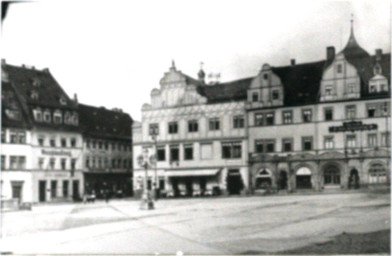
x=41, y=147
x=198, y=135
x=320, y=125
x=107, y=151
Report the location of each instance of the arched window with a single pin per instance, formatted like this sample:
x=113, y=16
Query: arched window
x=377, y=174
x=263, y=179
x=57, y=117
x=47, y=116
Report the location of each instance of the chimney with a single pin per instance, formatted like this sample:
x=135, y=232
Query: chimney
x=330, y=53
x=378, y=54
x=3, y=62
x=75, y=98
x=292, y=61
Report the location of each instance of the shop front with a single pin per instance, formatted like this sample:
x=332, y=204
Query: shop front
x=115, y=185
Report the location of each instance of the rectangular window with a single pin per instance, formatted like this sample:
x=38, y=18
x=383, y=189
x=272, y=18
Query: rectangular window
x=2, y=167
x=87, y=144
x=275, y=94
x=206, y=151
x=113, y=163
x=351, y=88
x=287, y=145
x=371, y=110
x=52, y=162
x=161, y=153
x=259, y=146
x=63, y=162
x=65, y=188
x=287, y=117
x=73, y=164
x=13, y=137
x=41, y=141
x=100, y=144
x=188, y=152
x=73, y=142
x=259, y=119
x=214, y=124
x=307, y=143
x=63, y=142
x=372, y=140
x=265, y=146
x=328, y=114
x=307, y=115
x=270, y=146
x=153, y=129
x=351, y=112
x=328, y=90
x=21, y=162
x=2, y=136
x=255, y=97
x=173, y=127
x=193, y=126
x=372, y=88
x=52, y=142
x=174, y=153
x=328, y=142
x=384, y=109
x=53, y=188
x=339, y=68
x=238, y=121
x=385, y=139
x=13, y=162
x=106, y=145
x=87, y=162
x=351, y=141
x=231, y=150
x=21, y=137
x=269, y=119
x=41, y=163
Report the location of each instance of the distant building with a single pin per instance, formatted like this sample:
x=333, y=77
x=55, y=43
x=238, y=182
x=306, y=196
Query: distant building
x=107, y=151
x=41, y=146
x=199, y=135
x=321, y=125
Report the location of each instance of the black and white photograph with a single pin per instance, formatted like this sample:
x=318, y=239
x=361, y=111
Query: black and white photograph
x=195, y=127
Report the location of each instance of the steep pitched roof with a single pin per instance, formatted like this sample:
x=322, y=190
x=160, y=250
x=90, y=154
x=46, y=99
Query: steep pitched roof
x=102, y=123
x=222, y=92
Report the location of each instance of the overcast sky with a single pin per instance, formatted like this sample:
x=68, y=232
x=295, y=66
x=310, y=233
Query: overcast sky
x=113, y=53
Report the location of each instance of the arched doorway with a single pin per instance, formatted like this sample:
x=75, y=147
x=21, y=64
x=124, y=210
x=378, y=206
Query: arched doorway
x=377, y=174
x=331, y=176
x=353, y=180
x=282, y=179
x=234, y=182
x=303, y=178
x=263, y=179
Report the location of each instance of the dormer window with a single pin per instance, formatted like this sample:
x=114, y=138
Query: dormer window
x=275, y=94
x=63, y=100
x=37, y=115
x=57, y=117
x=255, y=97
x=265, y=76
x=339, y=68
x=34, y=95
x=67, y=118
x=372, y=88
x=47, y=116
x=36, y=82
x=75, y=118
x=328, y=90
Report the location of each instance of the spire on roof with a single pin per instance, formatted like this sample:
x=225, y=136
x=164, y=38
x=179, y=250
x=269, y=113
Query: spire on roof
x=352, y=48
x=351, y=41
x=173, y=66
x=201, y=73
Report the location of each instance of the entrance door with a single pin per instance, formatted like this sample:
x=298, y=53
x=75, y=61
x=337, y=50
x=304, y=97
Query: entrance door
x=189, y=188
x=303, y=178
x=234, y=182
x=331, y=177
x=75, y=190
x=203, y=184
x=42, y=190
x=282, y=180
x=17, y=189
x=174, y=183
x=353, y=180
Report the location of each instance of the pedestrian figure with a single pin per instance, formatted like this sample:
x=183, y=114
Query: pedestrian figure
x=107, y=196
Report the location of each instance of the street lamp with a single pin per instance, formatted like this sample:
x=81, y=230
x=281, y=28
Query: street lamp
x=146, y=202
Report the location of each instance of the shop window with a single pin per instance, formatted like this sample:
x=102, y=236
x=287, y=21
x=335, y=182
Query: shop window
x=238, y=121
x=287, y=117
x=231, y=150
x=173, y=127
x=188, y=152
x=193, y=126
x=214, y=124
x=377, y=174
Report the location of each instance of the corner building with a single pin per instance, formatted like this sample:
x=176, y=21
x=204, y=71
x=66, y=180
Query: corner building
x=199, y=135
x=321, y=125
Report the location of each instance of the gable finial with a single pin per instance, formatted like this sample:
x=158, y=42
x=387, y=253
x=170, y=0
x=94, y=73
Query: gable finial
x=352, y=23
x=173, y=66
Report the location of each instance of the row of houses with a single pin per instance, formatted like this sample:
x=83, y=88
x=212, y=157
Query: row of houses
x=317, y=126
x=53, y=148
